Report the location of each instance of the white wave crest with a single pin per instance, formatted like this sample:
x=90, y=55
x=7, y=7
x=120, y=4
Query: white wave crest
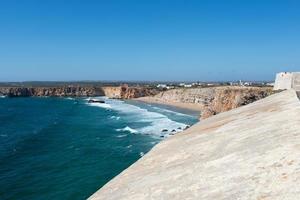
x=120, y=136
x=128, y=129
x=101, y=105
x=154, y=123
x=115, y=117
x=169, y=111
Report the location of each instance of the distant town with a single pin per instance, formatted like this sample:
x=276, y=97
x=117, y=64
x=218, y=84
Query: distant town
x=154, y=84
x=167, y=86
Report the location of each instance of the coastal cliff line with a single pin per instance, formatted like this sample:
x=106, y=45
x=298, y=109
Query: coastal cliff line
x=210, y=101
x=117, y=92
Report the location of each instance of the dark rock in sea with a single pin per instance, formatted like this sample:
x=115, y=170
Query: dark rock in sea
x=95, y=101
x=179, y=128
x=173, y=131
x=162, y=136
x=164, y=130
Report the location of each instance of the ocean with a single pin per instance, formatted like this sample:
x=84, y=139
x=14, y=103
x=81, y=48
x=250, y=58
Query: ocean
x=66, y=148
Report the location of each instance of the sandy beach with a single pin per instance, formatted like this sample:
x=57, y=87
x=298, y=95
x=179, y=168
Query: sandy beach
x=156, y=100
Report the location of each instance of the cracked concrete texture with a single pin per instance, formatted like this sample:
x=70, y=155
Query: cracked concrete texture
x=252, y=152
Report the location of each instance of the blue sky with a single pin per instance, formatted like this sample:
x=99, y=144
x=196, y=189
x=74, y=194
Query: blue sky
x=148, y=39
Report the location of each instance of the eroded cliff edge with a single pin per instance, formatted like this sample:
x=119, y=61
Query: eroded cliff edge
x=210, y=101
x=251, y=152
x=118, y=92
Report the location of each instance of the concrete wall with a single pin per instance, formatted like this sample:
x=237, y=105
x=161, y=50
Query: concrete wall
x=287, y=80
x=283, y=81
x=251, y=152
x=296, y=81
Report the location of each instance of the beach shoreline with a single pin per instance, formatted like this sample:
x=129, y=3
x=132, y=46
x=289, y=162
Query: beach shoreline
x=187, y=106
x=208, y=101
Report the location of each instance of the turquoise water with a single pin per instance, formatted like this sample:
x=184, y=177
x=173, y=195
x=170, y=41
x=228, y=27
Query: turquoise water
x=64, y=148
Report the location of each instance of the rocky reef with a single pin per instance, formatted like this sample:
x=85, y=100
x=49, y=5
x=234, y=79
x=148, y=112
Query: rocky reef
x=211, y=101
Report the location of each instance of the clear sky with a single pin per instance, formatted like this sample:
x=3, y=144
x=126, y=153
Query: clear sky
x=148, y=39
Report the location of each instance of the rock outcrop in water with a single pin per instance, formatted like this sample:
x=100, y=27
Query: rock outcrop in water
x=213, y=100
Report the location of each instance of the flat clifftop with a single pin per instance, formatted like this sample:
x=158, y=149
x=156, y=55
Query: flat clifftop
x=210, y=101
x=252, y=152
x=119, y=92
x=59, y=91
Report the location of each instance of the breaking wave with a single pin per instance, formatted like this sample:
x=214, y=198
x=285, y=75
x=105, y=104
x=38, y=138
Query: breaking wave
x=153, y=123
x=128, y=129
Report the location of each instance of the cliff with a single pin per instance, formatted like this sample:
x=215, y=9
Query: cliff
x=119, y=92
x=210, y=101
x=51, y=91
x=251, y=152
x=126, y=92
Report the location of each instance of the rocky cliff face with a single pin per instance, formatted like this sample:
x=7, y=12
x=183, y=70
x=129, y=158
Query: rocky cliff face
x=51, y=91
x=125, y=92
x=112, y=92
x=118, y=92
x=135, y=92
x=215, y=99
x=227, y=99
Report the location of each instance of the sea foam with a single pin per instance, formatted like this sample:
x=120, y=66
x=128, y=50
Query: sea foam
x=156, y=123
x=169, y=111
x=101, y=105
x=128, y=129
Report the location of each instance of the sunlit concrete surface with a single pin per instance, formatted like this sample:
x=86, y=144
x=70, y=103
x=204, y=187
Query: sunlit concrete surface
x=252, y=152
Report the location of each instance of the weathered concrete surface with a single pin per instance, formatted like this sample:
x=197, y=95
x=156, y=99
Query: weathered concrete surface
x=283, y=81
x=287, y=80
x=296, y=81
x=252, y=152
